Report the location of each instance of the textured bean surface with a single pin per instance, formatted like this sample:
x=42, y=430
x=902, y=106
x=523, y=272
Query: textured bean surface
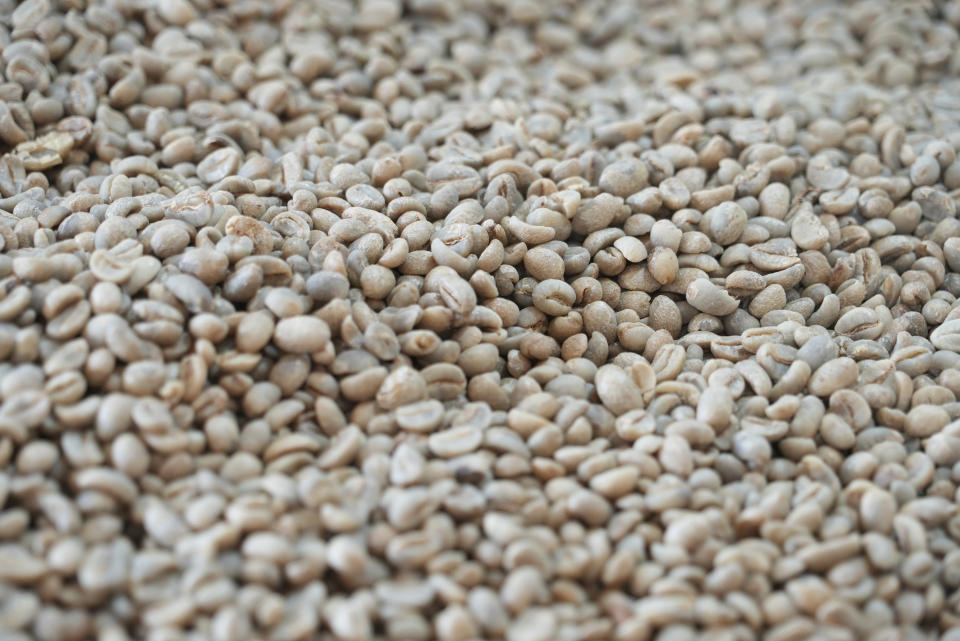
x=479, y=319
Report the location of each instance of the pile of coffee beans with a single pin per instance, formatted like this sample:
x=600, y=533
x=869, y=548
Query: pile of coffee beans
x=479, y=319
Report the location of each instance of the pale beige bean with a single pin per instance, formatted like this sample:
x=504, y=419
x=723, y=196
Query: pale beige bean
x=301, y=334
x=710, y=299
x=833, y=375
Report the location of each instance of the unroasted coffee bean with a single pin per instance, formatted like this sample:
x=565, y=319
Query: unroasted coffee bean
x=833, y=375
x=301, y=334
x=807, y=231
x=464, y=180
x=553, y=297
x=617, y=391
x=596, y=213
x=709, y=298
x=724, y=223
x=624, y=177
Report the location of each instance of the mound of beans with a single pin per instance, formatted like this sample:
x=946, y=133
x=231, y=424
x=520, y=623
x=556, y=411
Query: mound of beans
x=463, y=320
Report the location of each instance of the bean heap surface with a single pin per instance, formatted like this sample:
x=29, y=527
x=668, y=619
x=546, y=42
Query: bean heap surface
x=479, y=319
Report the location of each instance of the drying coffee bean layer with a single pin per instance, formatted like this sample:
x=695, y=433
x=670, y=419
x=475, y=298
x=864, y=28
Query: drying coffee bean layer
x=479, y=319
